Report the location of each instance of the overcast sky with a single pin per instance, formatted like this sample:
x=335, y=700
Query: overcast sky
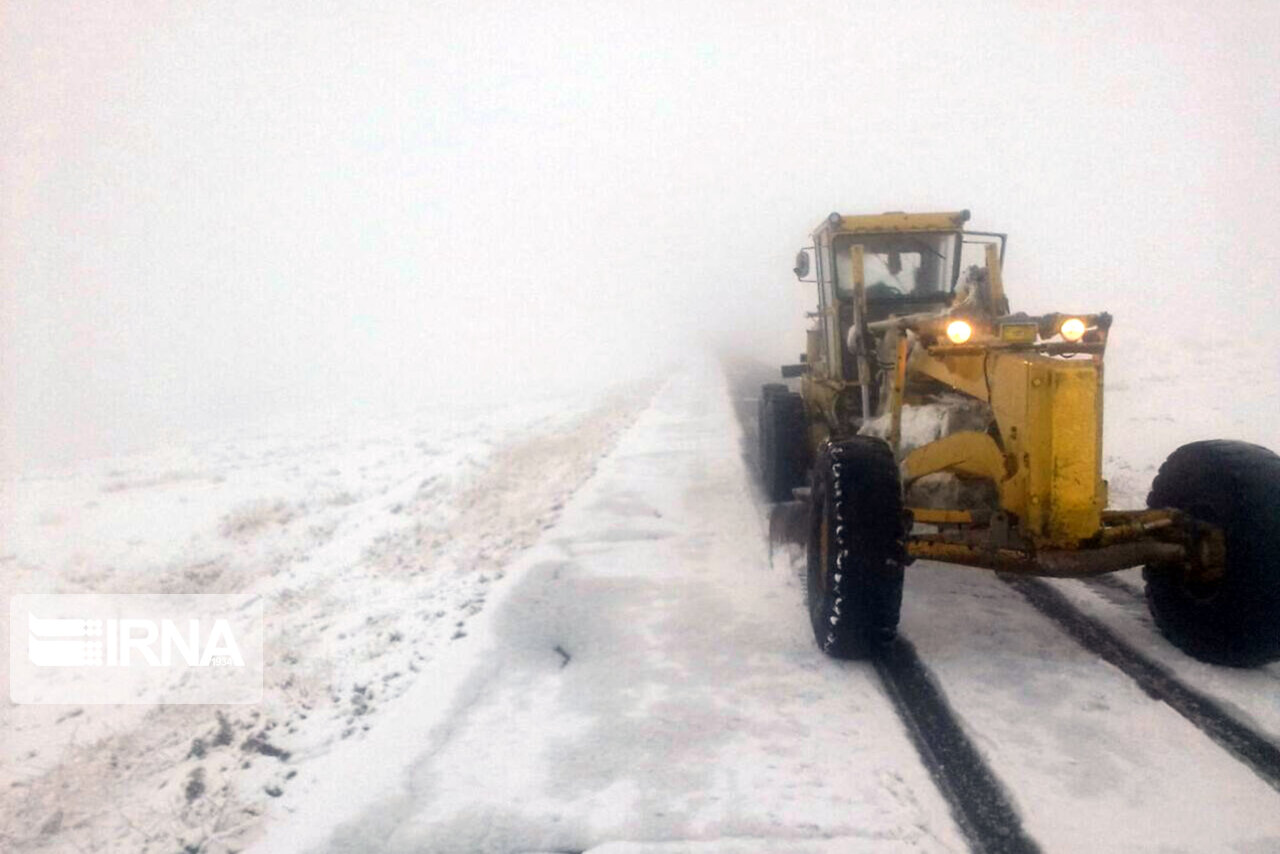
x=220, y=212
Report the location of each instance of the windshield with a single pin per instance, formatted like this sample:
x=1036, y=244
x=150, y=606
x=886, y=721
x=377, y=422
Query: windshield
x=896, y=264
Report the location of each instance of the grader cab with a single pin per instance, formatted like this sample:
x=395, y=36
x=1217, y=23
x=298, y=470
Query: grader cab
x=930, y=422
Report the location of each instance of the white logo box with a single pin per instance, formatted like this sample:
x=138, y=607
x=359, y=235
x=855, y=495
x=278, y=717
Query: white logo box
x=136, y=648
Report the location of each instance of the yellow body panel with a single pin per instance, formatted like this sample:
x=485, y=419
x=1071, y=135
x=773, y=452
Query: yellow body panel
x=931, y=516
x=1075, y=497
x=1049, y=415
x=967, y=453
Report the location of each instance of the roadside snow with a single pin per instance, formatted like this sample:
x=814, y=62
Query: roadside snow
x=1163, y=392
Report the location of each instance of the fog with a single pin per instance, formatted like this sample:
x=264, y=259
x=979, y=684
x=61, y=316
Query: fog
x=223, y=213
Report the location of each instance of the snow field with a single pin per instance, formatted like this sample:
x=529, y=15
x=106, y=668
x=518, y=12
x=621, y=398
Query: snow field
x=372, y=546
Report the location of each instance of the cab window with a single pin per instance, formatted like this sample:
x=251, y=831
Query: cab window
x=899, y=264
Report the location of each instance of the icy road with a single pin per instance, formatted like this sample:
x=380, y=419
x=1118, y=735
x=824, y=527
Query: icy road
x=644, y=680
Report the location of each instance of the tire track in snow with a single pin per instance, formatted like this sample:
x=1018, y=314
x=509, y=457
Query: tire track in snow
x=973, y=791
x=1251, y=748
x=1116, y=591
x=977, y=798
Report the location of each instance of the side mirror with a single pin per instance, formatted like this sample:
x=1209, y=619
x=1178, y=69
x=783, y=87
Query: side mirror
x=802, y=264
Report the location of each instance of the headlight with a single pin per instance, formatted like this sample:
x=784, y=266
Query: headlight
x=959, y=331
x=1072, y=329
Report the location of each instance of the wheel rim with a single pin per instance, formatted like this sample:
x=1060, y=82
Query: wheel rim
x=1197, y=589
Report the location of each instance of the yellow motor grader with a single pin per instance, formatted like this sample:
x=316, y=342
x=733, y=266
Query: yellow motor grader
x=933, y=423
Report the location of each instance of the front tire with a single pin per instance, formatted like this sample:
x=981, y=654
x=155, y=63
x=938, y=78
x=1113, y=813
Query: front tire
x=1236, y=619
x=856, y=548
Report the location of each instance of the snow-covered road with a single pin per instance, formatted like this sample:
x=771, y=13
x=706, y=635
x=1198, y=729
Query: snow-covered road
x=646, y=682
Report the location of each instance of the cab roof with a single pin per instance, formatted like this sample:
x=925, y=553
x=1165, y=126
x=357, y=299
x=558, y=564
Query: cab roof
x=891, y=222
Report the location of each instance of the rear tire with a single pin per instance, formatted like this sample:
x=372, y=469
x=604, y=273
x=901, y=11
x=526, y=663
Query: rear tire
x=783, y=450
x=856, y=549
x=1236, y=620
x=767, y=391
